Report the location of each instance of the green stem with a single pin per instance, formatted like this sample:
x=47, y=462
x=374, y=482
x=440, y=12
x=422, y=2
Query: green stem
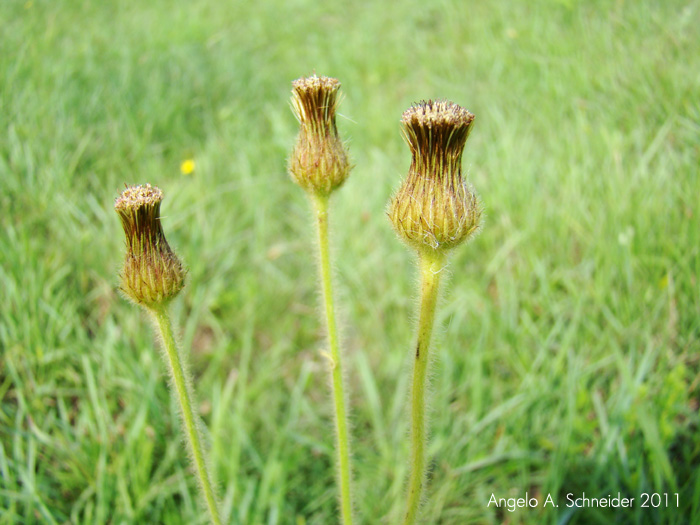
x=341, y=422
x=194, y=441
x=431, y=265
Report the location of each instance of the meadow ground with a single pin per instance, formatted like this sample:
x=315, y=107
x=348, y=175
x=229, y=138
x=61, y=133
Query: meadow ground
x=568, y=352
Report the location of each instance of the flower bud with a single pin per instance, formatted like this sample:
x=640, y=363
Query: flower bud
x=152, y=273
x=319, y=162
x=434, y=209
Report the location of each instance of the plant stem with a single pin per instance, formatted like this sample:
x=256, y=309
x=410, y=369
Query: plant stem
x=341, y=423
x=431, y=265
x=182, y=389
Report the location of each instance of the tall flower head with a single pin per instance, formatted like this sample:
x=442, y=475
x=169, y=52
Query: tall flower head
x=319, y=162
x=435, y=209
x=152, y=273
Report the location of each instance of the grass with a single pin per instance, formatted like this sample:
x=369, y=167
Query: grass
x=567, y=354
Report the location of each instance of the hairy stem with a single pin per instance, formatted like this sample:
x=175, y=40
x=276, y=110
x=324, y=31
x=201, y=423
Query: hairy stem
x=192, y=434
x=430, y=266
x=341, y=422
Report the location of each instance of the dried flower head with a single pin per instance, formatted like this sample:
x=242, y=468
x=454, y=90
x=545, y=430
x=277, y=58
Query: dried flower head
x=152, y=273
x=435, y=209
x=319, y=162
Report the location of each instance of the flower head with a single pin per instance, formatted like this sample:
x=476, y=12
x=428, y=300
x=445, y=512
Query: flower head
x=187, y=167
x=319, y=162
x=435, y=209
x=152, y=273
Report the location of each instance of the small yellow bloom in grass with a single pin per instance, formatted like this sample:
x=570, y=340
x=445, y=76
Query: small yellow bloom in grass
x=187, y=167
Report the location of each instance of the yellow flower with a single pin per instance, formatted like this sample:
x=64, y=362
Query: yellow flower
x=187, y=167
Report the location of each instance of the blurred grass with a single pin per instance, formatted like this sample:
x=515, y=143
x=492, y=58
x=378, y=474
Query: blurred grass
x=568, y=358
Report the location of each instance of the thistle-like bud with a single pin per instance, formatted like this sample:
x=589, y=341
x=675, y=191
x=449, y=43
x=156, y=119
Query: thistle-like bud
x=319, y=162
x=434, y=209
x=152, y=273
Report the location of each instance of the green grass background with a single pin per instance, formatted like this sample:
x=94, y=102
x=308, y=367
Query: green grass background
x=567, y=357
